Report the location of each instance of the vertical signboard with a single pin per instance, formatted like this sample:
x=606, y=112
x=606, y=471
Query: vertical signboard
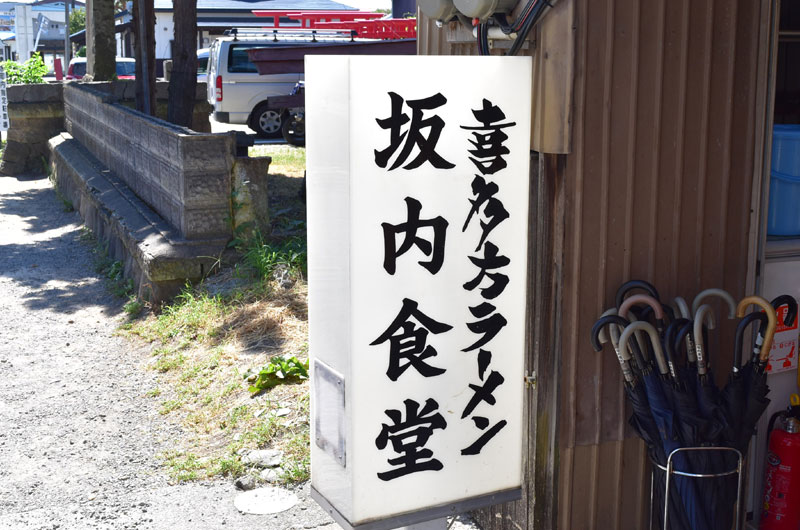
x=417, y=220
x=4, y=122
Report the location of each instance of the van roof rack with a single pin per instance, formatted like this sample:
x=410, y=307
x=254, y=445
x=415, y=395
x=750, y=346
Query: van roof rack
x=295, y=34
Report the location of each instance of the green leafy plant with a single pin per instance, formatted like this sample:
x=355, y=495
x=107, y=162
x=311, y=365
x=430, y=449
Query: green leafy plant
x=264, y=256
x=77, y=20
x=31, y=72
x=279, y=370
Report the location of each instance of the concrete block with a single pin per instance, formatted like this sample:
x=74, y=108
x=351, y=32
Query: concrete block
x=40, y=93
x=249, y=177
x=207, y=152
x=206, y=189
x=207, y=222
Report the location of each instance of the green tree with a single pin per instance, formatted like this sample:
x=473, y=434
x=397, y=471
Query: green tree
x=30, y=72
x=77, y=20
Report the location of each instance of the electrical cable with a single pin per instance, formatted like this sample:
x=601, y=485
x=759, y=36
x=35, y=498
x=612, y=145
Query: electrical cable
x=483, y=37
x=534, y=16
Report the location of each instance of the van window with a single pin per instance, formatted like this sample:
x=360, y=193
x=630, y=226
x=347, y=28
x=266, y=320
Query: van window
x=126, y=68
x=202, y=65
x=79, y=69
x=239, y=61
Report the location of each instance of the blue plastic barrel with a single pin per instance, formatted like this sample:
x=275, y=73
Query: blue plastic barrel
x=786, y=149
x=783, y=217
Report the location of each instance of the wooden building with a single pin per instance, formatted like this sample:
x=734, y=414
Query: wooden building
x=651, y=124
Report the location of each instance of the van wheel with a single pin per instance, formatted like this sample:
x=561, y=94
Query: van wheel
x=294, y=129
x=266, y=122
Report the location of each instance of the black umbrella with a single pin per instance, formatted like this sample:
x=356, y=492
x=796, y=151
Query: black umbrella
x=734, y=395
x=757, y=401
x=660, y=399
x=641, y=418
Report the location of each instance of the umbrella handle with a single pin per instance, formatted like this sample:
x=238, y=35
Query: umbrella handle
x=740, y=329
x=635, y=284
x=685, y=333
x=722, y=293
x=772, y=321
x=669, y=346
x=788, y=300
x=622, y=354
x=683, y=307
x=641, y=342
x=603, y=336
x=654, y=339
x=703, y=314
x=788, y=320
x=644, y=299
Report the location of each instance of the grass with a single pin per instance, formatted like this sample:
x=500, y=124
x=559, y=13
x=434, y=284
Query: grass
x=213, y=335
x=112, y=270
x=286, y=159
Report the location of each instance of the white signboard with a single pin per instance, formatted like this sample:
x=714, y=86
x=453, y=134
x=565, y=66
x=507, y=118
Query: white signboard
x=4, y=121
x=418, y=172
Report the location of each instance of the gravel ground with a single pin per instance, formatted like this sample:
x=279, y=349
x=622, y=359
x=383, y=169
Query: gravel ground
x=79, y=440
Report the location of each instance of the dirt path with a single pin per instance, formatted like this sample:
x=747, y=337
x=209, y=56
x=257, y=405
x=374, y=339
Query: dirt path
x=79, y=441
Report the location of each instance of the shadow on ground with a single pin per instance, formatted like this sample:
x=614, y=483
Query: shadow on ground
x=41, y=251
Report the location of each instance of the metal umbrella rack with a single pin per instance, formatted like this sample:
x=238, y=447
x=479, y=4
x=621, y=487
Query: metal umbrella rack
x=697, y=434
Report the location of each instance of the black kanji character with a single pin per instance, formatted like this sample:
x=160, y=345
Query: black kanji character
x=483, y=393
x=484, y=358
x=408, y=343
x=413, y=136
x=409, y=437
x=489, y=148
x=490, y=261
x=478, y=444
x=489, y=327
x=494, y=211
x=410, y=228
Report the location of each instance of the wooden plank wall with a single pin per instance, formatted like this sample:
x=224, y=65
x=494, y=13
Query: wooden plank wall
x=660, y=184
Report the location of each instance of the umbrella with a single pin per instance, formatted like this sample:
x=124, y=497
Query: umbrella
x=734, y=395
x=720, y=495
x=757, y=401
x=670, y=434
x=641, y=418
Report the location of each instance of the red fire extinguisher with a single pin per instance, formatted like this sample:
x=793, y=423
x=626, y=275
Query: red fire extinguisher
x=782, y=477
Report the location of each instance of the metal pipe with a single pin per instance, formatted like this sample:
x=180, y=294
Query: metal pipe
x=495, y=33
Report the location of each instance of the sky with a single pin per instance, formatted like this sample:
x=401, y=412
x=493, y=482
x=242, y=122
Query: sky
x=368, y=5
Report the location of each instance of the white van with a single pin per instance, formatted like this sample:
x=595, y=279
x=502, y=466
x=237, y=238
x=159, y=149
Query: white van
x=236, y=90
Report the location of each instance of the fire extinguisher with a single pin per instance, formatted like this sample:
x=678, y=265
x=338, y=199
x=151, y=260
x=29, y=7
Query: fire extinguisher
x=782, y=477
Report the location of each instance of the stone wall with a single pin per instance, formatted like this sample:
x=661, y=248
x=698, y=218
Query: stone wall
x=36, y=114
x=183, y=175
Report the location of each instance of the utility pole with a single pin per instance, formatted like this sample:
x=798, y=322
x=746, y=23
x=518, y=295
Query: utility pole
x=67, y=47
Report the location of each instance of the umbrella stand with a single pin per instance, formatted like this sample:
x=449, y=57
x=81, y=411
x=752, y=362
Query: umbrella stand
x=670, y=470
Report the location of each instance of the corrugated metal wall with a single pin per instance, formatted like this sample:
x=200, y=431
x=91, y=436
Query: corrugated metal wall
x=668, y=105
x=658, y=187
